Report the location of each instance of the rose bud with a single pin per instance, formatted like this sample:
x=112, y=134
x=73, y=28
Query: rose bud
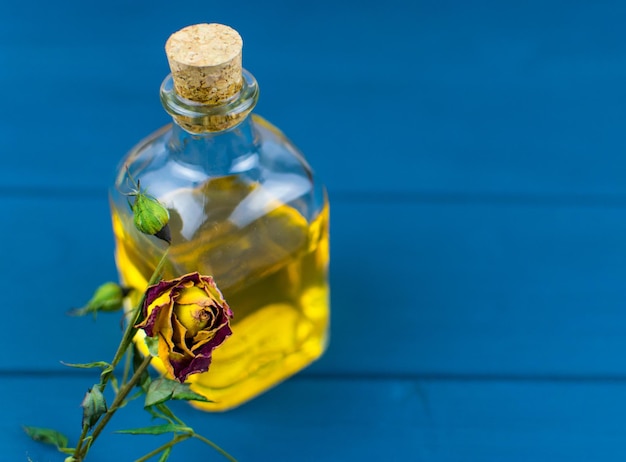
x=150, y=217
x=190, y=318
x=108, y=297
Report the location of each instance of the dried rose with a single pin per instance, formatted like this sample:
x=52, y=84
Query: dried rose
x=190, y=318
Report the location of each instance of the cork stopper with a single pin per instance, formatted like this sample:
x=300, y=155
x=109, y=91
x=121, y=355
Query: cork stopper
x=205, y=60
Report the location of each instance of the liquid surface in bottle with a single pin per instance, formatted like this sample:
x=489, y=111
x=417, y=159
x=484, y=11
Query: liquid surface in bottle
x=270, y=264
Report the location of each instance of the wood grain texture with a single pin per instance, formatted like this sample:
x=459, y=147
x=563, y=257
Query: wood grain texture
x=314, y=420
x=484, y=99
x=452, y=289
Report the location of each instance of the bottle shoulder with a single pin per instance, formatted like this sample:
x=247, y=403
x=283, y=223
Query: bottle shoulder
x=278, y=151
x=249, y=170
x=267, y=148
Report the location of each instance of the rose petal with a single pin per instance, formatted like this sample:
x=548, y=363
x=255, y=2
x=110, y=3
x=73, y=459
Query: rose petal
x=192, y=295
x=179, y=338
x=157, y=314
x=184, y=369
x=220, y=335
x=155, y=291
x=202, y=361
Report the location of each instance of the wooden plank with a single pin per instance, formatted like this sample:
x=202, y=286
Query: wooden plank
x=490, y=289
x=487, y=289
x=329, y=420
x=57, y=251
x=521, y=99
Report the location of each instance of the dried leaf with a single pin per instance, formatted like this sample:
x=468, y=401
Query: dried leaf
x=164, y=389
x=157, y=430
x=47, y=436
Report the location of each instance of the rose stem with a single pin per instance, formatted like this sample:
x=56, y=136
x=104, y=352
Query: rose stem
x=126, y=366
x=81, y=440
x=130, y=328
x=215, y=446
x=163, y=447
x=119, y=399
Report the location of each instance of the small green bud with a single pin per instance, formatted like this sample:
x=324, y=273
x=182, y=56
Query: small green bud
x=150, y=217
x=108, y=297
x=94, y=406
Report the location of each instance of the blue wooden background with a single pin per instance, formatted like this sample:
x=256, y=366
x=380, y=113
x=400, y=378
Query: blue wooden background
x=474, y=154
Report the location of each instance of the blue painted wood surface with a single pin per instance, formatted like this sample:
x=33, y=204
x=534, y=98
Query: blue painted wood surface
x=474, y=156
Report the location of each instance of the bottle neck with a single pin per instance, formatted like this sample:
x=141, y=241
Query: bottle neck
x=228, y=152
x=200, y=118
x=219, y=138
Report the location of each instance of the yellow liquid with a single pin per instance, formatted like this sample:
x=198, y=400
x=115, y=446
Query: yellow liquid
x=272, y=270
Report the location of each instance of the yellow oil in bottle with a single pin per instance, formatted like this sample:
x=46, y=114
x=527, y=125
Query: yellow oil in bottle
x=270, y=264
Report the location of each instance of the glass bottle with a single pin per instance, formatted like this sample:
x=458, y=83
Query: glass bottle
x=244, y=208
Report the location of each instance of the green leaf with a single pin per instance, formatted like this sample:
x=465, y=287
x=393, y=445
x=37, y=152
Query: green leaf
x=157, y=430
x=47, y=436
x=100, y=364
x=164, y=389
x=107, y=369
x=183, y=392
x=165, y=455
x=94, y=406
x=159, y=391
x=153, y=345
